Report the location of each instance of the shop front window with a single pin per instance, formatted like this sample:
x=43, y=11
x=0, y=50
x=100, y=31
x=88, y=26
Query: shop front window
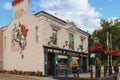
x=62, y=61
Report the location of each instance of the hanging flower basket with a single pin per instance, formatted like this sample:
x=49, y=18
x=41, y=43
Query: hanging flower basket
x=111, y=52
x=116, y=54
x=96, y=48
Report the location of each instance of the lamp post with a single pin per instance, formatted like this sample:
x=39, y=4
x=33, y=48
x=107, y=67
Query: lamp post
x=109, y=47
x=97, y=67
x=96, y=40
x=96, y=48
x=92, y=56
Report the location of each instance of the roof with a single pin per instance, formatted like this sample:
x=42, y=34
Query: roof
x=3, y=27
x=43, y=12
x=40, y=12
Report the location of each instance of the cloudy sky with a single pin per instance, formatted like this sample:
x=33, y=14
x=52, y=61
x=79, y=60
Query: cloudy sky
x=86, y=14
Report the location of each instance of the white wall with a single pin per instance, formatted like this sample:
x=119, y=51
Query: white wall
x=33, y=54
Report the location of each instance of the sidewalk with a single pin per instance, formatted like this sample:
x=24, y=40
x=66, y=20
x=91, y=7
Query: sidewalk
x=22, y=77
x=82, y=76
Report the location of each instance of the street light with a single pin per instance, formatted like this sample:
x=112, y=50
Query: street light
x=96, y=40
x=96, y=48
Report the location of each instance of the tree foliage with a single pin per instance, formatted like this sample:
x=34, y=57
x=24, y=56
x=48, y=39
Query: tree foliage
x=113, y=27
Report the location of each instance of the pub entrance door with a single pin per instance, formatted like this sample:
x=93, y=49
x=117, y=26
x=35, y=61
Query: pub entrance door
x=50, y=64
x=84, y=64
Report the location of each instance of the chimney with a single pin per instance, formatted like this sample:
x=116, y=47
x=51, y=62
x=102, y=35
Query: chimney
x=20, y=6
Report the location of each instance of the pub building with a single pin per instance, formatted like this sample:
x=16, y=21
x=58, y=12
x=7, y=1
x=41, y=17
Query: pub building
x=42, y=42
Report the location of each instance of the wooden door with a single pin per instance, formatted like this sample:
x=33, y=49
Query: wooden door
x=50, y=63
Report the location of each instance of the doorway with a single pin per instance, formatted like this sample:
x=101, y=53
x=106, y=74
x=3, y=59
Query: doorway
x=51, y=64
x=84, y=64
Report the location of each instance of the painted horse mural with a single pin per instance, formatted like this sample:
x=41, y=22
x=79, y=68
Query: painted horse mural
x=19, y=35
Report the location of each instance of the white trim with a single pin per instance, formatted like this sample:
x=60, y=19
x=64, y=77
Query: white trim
x=62, y=56
x=75, y=57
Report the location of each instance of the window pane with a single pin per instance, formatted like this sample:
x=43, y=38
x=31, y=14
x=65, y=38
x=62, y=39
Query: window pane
x=71, y=41
x=36, y=34
x=54, y=35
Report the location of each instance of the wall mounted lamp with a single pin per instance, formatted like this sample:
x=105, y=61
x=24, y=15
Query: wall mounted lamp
x=66, y=43
x=80, y=47
x=51, y=40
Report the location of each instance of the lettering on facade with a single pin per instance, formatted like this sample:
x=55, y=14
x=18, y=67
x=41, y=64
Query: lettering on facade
x=65, y=52
x=54, y=51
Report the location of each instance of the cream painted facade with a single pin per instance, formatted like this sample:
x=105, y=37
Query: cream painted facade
x=32, y=57
x=49, y=22
x=33, y=53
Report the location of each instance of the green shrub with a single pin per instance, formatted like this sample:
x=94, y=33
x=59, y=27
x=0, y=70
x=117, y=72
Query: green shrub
x=115, y=62
x=97, y=61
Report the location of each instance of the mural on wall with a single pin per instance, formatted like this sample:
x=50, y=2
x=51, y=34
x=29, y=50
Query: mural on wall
x=19, y=35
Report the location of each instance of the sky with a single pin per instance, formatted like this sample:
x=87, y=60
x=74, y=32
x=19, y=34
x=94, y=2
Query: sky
x=86, y=14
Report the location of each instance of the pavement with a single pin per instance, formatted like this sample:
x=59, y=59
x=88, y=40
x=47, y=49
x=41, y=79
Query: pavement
x=22, y=77
x=82, y=76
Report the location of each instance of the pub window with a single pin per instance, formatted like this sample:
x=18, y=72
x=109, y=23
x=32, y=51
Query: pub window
x=62, y=61
x=36, y=34
x=54, y=36
x=82, y=44
x=71, y=41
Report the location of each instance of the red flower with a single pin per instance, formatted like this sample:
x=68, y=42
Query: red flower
x=106, y=52
x=96, y=48
x=111, y=52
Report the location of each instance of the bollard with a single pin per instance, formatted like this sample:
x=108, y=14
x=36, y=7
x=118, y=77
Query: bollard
x=91, y=71
x=98, y=71
x=105, y=71
x=74, y=70
x=78, y=69
x=114, y=68
x=117, y=69
x=110, y=70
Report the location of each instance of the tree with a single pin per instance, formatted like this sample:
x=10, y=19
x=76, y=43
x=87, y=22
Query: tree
x=113, y=27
